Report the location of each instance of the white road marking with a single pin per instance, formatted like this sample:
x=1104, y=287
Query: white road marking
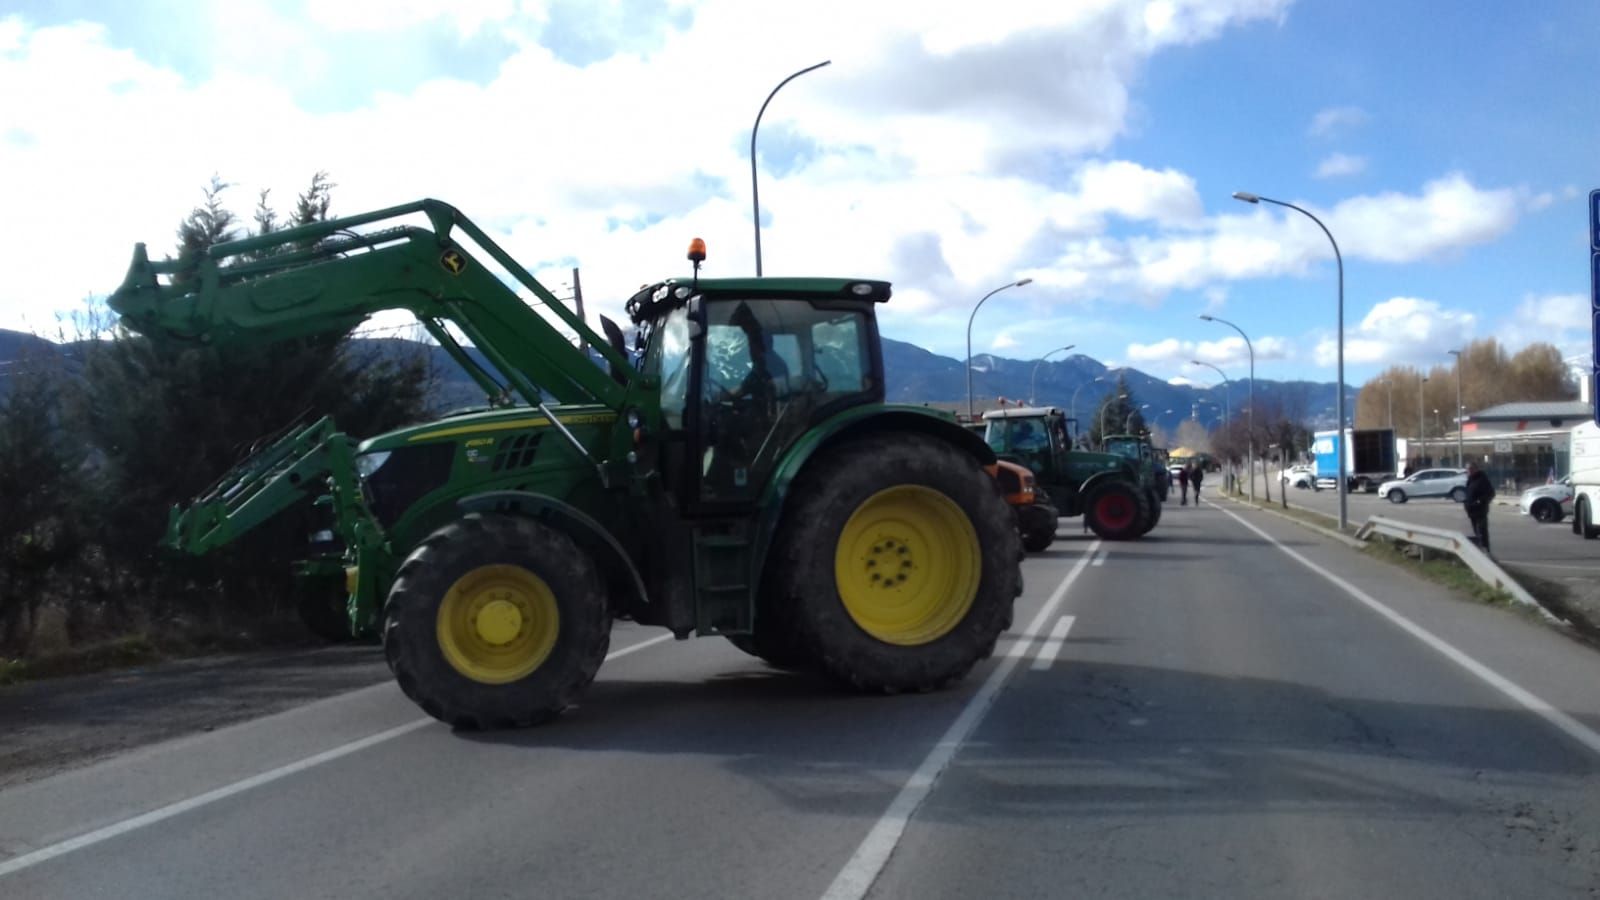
x=116, y=829
x=866, y=864
x=1526, y=699
x=1101, y=559
x=1050, y=649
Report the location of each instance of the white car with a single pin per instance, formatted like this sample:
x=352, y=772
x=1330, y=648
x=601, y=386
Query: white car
x=1299, y=477
x=1548, y=502
x=1450, y=483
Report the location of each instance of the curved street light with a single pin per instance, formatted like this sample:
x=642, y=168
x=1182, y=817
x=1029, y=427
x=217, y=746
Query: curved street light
x=1074, y=408
x=1103, y=410
x=1034, y=381
x=1019, y=283
x=1227, y=385
x=1247, y=197
x=755, y=190
x=1250, y=438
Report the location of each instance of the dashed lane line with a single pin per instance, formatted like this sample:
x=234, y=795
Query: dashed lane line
x=116, y=829
x=866, y=864
x=1051, y=648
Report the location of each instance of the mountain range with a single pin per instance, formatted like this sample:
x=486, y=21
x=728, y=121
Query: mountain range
x=915, y=375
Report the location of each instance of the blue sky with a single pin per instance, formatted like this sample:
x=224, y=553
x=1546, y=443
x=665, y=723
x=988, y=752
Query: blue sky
x=1092, y=146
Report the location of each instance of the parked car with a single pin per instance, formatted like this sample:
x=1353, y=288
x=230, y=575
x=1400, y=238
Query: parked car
x=1548, y=502
x=1299, y=477
x=1450, y=483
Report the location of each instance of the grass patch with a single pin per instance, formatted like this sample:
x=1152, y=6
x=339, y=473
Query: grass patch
x=147, y=648
x=1444, y=569
x=1310, y=517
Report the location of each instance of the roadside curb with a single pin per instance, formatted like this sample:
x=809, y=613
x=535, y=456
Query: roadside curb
x=1345, y=539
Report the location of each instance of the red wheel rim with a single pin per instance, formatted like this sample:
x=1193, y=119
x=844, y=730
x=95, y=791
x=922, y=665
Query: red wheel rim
x=1116, y=511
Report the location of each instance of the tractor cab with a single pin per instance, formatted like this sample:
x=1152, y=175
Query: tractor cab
x=743, y=367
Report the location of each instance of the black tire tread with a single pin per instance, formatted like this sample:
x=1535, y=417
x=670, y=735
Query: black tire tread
x=800, y=572
x=1141, y=514
x=478, y=539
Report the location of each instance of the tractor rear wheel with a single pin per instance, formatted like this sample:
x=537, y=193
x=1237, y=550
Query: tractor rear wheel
x=496, y=621
x=1116, y=511
x=897, y=564
x=1155, y=515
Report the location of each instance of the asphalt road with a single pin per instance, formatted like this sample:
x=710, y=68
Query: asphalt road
x=1550, y=550
x=1231, y=710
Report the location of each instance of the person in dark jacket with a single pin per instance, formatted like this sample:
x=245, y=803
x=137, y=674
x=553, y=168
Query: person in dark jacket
x=1195, y=477
x=1183, y=485
x=1479, y=493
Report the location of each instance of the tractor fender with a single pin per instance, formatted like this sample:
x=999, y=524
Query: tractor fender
x=852, y=423
x=622, y=578
x=1094, y=481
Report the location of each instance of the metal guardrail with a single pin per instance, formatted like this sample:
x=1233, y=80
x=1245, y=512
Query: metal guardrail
x=1457, y=543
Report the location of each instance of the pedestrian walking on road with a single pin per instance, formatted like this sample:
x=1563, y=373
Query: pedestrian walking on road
x=1183, y=483
x=1198, y=476
x=1479, y=493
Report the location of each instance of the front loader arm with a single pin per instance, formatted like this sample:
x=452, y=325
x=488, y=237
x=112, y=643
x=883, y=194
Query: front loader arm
x=306, y=463
x=326, y=278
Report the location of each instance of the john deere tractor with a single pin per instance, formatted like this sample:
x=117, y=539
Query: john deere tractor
x=1115, y=495
x=735, y=472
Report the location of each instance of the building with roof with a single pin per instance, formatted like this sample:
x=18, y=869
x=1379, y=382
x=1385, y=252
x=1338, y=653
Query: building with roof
x=1519, y=444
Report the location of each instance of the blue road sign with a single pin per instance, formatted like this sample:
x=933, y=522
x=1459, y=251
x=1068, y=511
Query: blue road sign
x=1594, y=221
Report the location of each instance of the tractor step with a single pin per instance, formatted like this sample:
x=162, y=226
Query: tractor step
x=722, y=601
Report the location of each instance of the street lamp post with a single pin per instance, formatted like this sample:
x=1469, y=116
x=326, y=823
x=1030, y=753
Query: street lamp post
x=974, y=315
x=1460, y=453
x=1074, y=410
x=1250, y=443
x=1103, y=410
x=1127, y=421
x=755, y=191
x=1422, y=427
x=1227, y=385
x=1033, y=382
x=1344, y=514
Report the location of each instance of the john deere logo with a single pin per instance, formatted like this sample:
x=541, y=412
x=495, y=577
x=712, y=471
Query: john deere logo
x=453, y=261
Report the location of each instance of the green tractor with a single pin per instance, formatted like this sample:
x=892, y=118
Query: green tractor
x=1116, y=496
x=734, y=473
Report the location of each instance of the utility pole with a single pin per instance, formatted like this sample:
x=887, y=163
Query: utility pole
x=577, y=302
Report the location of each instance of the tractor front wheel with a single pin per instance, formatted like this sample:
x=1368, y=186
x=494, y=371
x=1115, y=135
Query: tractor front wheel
x=496, y=621
x=898, y=563
x=1117, y=511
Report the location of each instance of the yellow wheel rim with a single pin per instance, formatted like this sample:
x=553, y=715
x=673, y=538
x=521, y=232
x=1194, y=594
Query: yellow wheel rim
x=498, y=624
x=907, y=565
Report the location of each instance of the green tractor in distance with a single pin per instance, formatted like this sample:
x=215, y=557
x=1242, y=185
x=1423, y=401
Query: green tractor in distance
x=1113, y=494
x=1148, y=462
x=741, y=478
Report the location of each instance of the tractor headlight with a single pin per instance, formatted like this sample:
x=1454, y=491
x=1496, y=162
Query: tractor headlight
x=633, y=419
x=368, y=463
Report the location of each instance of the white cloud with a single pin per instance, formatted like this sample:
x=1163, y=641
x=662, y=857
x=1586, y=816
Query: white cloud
x=1336, y=119
x=1401, y=330
x=1223, y=352
x=1449, y=215
x=935, y=140
x=1338, y=165
x=1559, y=319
